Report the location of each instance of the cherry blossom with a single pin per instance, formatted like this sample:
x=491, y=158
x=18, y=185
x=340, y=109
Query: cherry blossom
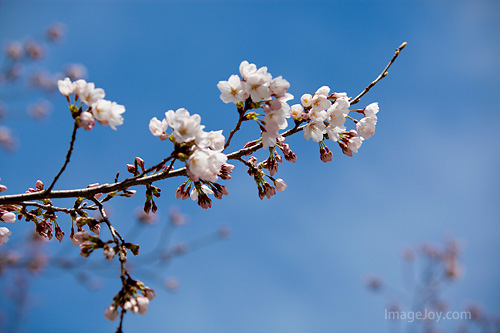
x=4, y=235
x=158, y=128
x=314, y=130
x=111, y=313
x=89, y=94
x=108, y=113
x=7, y=217
x=280, y=184
x=366, y=127
x=232, y=90
x=65, y=87
x=371, y=110
x=185, y=127
x=216, y=140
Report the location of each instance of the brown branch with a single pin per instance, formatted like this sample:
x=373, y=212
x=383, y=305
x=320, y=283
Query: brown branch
x=120, y=326
x=236, y=129
x=68, y=156
x=90, y=192
x=381, y=76
x=54, y=208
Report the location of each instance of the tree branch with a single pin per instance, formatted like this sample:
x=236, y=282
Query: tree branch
x=236, y=129
x=68, y=156
x=381, y=76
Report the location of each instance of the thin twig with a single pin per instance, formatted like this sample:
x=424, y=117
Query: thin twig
x=119, y=329
x=54, y=208
x=68, y=156
x=236, y=129
x=381, y=76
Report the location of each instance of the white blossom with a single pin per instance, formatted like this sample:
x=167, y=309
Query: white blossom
x=232, y=90
x=320, y=102
x=247, y=69
x=366, y=127
x=296, y=111
x=79, y=87
x=276, y=114
x=279, y=86
x=4, y=235
x=205, y=164
x=108, y=113
x=90, y=95
x=86, y=120
x=65, y=86
x=340, y=95
x=371, y=110
x=142, y=304
x=111, y=313
x=186, y=128
x=7, y=217
x=337, y=112
x=158, y=128
x=306, y=100
x=257, y=87
x=216, y=140
x=324, y=91
x=204, y=188
x=280, y=184
x=314, y=130
x=317, y=115
x=354, y=143
x=269, y=137
x=333, y=132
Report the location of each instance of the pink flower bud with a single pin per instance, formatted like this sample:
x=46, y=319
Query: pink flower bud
x=140, y=162
x=3, y=188
x=150, y=293
x=59, y=233
x=280, y=184
x=131, y=168
x=39, y=185
x=8, y=217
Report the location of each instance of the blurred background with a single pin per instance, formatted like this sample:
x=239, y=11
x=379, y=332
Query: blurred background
x=299, y=262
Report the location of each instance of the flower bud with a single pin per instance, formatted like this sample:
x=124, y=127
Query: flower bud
x=131, y=168
x=7, y=217
x=280, y=184
x=111, y=313
x=140, y=163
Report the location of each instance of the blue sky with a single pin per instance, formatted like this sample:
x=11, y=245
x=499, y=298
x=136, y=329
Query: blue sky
x=295, y=263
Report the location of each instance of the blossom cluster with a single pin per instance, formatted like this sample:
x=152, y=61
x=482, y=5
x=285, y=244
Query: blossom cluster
x=326, y=115
x=134, y=297
x=104, y=111
x=258, y=87
x=200, y=150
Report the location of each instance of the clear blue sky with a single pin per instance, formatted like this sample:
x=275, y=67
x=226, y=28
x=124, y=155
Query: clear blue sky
x=295, y=263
